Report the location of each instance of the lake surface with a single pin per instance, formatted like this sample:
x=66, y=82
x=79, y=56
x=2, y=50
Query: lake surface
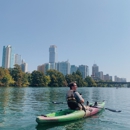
x=19, y=108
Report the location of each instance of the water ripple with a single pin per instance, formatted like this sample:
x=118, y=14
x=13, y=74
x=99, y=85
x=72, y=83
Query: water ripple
x=20, y=106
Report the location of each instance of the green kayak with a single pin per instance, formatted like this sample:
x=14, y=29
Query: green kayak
x=69, y=115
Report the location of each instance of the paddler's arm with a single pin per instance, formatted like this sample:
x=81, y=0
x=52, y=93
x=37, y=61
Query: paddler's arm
x=81, y=100
x=79, y=97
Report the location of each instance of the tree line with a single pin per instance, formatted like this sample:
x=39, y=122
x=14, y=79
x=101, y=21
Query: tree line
x=53, y=78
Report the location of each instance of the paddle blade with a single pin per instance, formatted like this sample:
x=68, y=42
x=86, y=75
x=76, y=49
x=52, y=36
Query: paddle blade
x=57, y=102
x=113, y=110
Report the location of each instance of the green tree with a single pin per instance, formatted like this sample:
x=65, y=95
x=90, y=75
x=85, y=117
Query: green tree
x=25, y=80
x=17, y=75
x=69, y=78
x=76, y=77
x=5, y=77
x=1, y=76
x=38, y=79
x=29, y=77
x=78, y=73
x=90, y=82
x=100, y=83
x=57, y=78
x=79, y=80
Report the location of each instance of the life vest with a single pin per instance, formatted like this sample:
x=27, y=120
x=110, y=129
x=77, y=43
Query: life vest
x=72, y=102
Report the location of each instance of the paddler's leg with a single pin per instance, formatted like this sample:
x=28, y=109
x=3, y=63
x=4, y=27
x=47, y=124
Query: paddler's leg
x=87, y=103
x=95, y=104
x=86, y=107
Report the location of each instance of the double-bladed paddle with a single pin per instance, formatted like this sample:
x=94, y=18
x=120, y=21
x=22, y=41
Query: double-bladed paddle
x=113, y=110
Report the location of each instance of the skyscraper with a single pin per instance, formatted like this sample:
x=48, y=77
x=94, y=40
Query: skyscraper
x=100, y=75
x=8, y=57
x=84, y=70
x=52, y=54
x=63, y=67
x=18, y=60
x=95, y=70
x=24, y=66
x=46, y=67
x=40, y=68
x=73, y=68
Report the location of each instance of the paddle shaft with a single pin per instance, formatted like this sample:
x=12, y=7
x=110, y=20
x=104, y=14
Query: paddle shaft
x=112, y=110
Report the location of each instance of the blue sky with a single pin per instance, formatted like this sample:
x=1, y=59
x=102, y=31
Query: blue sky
x=84, y=31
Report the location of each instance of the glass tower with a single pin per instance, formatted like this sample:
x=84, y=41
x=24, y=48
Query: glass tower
x=52, y=54
x=84, y=70
x=24, y=66
x=95, y=70
x=63, y=67
x=18, y=60
x=8, y=57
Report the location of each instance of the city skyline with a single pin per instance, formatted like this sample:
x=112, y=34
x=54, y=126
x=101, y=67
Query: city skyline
x=10, y=59
x=85, y=32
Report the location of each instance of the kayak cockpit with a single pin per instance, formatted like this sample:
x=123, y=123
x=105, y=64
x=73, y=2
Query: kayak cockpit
x=60, y=113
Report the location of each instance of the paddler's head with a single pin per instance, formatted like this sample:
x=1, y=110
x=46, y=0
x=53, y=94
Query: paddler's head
x=73, y=86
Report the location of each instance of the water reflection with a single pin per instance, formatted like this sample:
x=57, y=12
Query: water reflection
x=20, y=106
x=72, y=125
x=4, y=99
x=11, y=98
x=16, y=100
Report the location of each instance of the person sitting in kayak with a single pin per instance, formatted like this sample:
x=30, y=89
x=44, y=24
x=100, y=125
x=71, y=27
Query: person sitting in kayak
x=74, y=99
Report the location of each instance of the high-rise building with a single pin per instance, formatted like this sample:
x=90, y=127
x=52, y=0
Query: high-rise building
x=84, y=70
x=24, y=66
x=63, y=67
x=52, y=54
x=46, y=67
x=40, y=68
x=73, y=69
x=106, y=77
x=53, y=66
x=17, y=60
x=100, y=75
x=95, y=70
x=110, y=78
x=117, y=79
x=8, y=57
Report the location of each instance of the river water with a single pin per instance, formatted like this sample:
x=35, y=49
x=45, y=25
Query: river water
x=19, y=108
